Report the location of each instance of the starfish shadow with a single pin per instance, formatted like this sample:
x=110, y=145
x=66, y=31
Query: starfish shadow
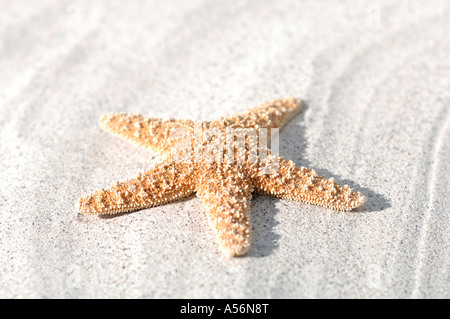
x=295, y=151
x=264, y=239
x=112, y=216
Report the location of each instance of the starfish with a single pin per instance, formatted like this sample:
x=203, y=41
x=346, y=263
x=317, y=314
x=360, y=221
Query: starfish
x=195, y=163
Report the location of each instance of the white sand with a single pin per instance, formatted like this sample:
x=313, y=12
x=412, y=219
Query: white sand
x=376, y=79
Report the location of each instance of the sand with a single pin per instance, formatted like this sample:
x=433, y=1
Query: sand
x=375, y=78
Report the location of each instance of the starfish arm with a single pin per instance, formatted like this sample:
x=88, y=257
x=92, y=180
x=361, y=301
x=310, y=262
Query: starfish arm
x=226, y=197
x=274, y=114
x=164, y=183
x=303, y=184
x=160, y=136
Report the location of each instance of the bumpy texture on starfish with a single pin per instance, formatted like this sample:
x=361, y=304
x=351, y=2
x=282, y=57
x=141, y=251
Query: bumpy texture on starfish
x=224, y=185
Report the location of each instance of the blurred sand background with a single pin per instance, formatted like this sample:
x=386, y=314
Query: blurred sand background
x=375, y=77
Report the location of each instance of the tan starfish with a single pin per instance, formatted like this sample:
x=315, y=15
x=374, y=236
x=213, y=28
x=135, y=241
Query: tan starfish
x=225, y=183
